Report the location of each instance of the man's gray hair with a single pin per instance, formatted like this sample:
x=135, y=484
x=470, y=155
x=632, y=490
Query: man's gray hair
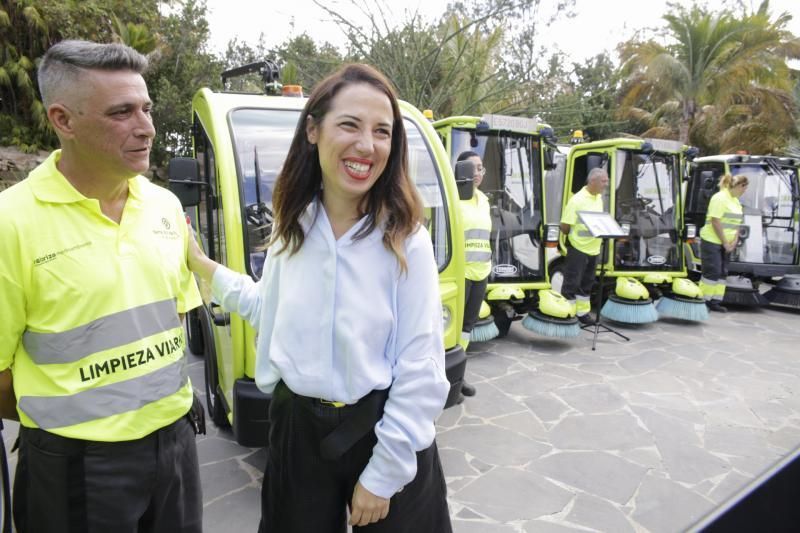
x=595, y=172
x=63, y=62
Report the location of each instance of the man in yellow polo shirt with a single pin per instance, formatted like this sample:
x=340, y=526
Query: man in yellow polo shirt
x=582, y=248
x=93, y=282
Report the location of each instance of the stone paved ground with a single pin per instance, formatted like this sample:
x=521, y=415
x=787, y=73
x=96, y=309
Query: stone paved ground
x=646, y=435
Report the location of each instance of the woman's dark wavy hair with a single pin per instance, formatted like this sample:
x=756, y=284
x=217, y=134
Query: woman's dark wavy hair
x=393, y=200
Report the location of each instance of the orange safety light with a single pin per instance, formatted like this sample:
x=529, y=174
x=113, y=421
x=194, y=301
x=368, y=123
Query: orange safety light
x=292, y=90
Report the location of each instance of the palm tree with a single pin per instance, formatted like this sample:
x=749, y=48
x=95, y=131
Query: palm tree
x=722, y=82
x=24, y=35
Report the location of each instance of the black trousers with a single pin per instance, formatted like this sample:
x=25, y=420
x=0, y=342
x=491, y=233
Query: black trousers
x=715, y=261
x=303, y=493
x=473, y=298
x=74, y=486
x=579, y=274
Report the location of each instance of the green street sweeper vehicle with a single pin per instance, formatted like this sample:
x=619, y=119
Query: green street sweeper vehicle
x=239, y=144
x=768, y=240
x=646, y=270
x=515, y=151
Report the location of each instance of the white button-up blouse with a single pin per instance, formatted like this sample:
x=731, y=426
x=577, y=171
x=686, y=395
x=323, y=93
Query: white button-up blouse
x=337, y=320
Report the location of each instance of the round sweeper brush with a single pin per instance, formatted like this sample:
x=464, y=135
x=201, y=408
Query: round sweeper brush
x=739, y=290
x=786, y=293
x=485, y=329
x=628, y=311
x=676, y=306
x=550, y=326
x=555, y=316
x=685, y=301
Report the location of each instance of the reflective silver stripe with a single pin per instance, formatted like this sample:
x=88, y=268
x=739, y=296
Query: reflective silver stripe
x=706, y=281
x=726, y=225
x=584, y=233
x=104, y=333
x=734, y=216
x=481, y=234
x=582, y=298
x=478, y=257
x=60, y=411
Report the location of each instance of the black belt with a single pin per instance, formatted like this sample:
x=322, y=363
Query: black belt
x=361, y=419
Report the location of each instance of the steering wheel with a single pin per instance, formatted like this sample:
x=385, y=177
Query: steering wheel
x=640, y=203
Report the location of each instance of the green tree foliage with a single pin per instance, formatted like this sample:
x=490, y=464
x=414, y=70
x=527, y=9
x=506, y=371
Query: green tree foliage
x=310, y=61
x=722, y=82
x=180, y=65
x=583, y=98
x=24, y=35
x=28, y=28
x=451, y=66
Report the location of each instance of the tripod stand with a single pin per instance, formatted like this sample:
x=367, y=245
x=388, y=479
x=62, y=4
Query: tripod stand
x=597, y=324
x=602, y=226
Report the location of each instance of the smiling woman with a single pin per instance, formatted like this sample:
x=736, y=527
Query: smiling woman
x=356, y=390
x=354, y=140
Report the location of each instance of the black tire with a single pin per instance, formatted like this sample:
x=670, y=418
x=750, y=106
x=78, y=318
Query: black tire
x=214, y=405
x=194, y=332
x=501, y=320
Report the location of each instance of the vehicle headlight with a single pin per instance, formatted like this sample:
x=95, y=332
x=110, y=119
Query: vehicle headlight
x=447, y=317
x=691, y=231
x=626, y=227
x=551, y=232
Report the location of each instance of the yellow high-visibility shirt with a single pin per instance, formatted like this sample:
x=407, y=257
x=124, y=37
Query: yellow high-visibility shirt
x=579, y=235
x=727, y=208
x=89, y=308
x=477, y=219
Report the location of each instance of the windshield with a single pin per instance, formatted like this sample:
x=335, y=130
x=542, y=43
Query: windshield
x=647, y=189
x=770, y=207
x=261, y=139
x=512, y=185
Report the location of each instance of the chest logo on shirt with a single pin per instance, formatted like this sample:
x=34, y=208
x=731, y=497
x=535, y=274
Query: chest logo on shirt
x=167, y=232
x=52, y=256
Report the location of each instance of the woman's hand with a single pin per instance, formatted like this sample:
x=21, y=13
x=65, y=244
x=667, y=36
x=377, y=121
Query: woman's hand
x=198, y=262
x=366, y=507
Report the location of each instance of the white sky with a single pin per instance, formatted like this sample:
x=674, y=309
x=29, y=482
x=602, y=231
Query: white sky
x=599, y=24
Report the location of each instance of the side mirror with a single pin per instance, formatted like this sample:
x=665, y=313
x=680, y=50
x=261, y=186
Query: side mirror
x=465, y=179
x=548, y=159
x=595, y=161
x=744, y=233
x=771, y=203
x=184, y=182
x=707, y=180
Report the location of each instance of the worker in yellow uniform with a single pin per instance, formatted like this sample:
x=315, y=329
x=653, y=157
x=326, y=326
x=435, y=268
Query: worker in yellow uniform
x=93, y=283
x=582, y=248
x=719, y=237
x=477, y=221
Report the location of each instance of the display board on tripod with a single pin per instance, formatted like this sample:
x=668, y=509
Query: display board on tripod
x=601, y=224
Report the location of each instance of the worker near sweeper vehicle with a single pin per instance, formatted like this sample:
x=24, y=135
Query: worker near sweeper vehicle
x=93, y=282
x=476, y=218
x=582, y=248
x=719, y=237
